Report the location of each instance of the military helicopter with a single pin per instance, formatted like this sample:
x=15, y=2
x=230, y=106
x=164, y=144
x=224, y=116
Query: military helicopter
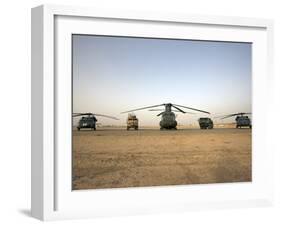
x=242, y=120
x=168, y=120
x=89, y=120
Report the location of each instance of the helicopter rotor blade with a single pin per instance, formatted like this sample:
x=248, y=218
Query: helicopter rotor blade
x=188, y=112
x=106, y=116
x=194, y=109
x=156, y=109
x=241, y=113
x=227, y=116
x=160, y=113
x=218, y=116
x=142, y=108
x=231, y=115
x=178, y=109
x=80, y=114
x=100, y=115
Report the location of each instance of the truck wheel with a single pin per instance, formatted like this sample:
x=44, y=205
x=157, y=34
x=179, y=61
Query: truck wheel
x=250, y=126
x=136, y=128
x=78, y=128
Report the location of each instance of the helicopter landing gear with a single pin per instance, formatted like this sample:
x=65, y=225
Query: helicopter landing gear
x=170, y=128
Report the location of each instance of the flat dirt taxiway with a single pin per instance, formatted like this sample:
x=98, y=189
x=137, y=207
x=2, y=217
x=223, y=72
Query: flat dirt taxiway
x=115, y=158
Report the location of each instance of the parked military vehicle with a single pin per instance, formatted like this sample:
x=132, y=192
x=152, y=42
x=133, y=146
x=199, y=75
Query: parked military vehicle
x=206, y=123
x=168, y=120
x=242, y=120
x=89, y=120
x=132, y=121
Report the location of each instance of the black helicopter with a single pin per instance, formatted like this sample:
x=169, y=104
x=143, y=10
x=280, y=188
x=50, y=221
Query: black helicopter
x=89, y=120
x=168, y=120
x=242, y=120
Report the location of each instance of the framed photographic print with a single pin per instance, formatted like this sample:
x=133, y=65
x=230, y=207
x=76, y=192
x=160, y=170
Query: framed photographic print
x=137, y=112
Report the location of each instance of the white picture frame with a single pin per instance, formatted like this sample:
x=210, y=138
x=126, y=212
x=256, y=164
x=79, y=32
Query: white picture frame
x=52, y=197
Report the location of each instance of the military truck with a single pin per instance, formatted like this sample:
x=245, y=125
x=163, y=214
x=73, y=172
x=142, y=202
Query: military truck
x=206, y=123
x=132, y=121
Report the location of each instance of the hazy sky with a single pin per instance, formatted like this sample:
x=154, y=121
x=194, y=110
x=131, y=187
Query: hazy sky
x=115, y=74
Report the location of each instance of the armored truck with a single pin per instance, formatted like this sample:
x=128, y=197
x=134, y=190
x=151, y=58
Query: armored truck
x=206, y=123
x=132, y=122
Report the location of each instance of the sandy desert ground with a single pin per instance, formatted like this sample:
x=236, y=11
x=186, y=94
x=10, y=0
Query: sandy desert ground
x=115, y=158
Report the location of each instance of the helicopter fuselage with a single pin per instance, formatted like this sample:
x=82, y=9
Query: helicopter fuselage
x=243, y=121
x=87, y=122
x=168, y=121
